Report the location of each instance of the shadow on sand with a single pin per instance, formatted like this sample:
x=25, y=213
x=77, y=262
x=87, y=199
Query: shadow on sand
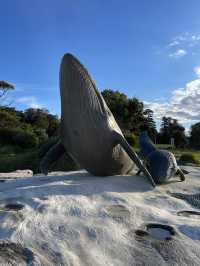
x=72, y=183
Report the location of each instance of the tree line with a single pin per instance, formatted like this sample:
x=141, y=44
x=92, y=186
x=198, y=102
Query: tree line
x=133, y=118
x=32, y=127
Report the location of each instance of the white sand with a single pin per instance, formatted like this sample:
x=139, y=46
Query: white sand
x=76, y=219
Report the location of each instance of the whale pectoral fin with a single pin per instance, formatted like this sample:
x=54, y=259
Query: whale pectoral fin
x=181, y=174
x=132, y=154
x=51, y=156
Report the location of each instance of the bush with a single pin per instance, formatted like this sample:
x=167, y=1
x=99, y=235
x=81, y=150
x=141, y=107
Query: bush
x=10, y=149
x=16, y=136
x=131, y=139
x=26, y=160
x=41, y=135
x=189, y=158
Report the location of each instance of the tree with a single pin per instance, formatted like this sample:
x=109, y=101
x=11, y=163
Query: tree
x=37, y=117
x=54, y=125
x=129, y=113
x=118, y=104
x=150, y=124
x=195, y=136
x=170, y=128
x=43, y=120
x=4, y=88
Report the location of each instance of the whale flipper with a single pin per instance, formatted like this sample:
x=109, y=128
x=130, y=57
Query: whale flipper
x=181, y=174
x=132, y=154
x=53, y=154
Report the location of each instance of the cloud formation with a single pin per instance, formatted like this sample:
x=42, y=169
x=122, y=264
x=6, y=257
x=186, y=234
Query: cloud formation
x=183, y=105
x=178, y=53
x=183, y=44
x=29, y=101
x=197, y=71
x=185, y=39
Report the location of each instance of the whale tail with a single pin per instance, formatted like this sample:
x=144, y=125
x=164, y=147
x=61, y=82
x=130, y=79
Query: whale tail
x=146, y=145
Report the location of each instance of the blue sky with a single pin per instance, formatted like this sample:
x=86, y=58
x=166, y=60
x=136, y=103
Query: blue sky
x=145, y=48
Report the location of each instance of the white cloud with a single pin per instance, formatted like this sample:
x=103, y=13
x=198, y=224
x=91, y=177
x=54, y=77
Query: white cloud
x=186, y=38
x=183, y=44
x=178, y=53
x=173, y=43
x=183, y=105
x=197, y=71
x=29, y=101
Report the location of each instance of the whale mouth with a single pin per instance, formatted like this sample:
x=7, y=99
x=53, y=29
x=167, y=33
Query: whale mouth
x=77, y=86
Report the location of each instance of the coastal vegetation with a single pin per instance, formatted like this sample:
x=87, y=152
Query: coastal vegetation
x=25, y=136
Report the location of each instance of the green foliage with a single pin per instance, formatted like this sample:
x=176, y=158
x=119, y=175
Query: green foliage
x=41, y=119
x=41, y=135
x=131, y=139
x=129, y=113
x=23, y=160
x=53, y=125
x=170, y=128
x=16, y=136
x=8, y=120
x=4, y=88
x=189, y=158
x=10, y=149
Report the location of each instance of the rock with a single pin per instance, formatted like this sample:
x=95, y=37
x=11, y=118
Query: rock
x=16, y=174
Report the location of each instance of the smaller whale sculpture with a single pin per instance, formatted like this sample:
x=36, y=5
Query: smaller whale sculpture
x=161, y=164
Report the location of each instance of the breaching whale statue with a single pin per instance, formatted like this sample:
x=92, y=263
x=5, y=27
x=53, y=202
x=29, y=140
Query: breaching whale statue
x=161, y=164
x=89, y=132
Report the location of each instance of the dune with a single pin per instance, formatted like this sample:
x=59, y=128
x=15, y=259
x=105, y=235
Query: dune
x=74, y=218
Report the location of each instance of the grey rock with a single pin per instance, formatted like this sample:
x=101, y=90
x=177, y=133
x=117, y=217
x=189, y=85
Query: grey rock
x=16, y=174
x=192, y=199
x=15, y=254
x=164, y=245
x=89, y=132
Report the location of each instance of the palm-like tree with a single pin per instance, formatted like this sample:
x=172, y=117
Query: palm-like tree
x=5, y=87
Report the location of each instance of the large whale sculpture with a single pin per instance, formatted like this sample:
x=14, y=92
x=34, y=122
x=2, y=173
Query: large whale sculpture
x=161, y=164
x=89, y=132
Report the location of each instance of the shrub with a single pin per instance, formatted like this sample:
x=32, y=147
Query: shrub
x=41, y=134
x=131, y=139
x=10, y=149
x=23, y=160
x=189, y=158
x=16, y=136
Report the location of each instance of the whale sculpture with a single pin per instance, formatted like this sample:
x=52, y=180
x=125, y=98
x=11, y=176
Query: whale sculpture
x=89, y=132
x=161, y=164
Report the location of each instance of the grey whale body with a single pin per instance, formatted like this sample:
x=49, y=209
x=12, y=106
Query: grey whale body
x=89, y=132
x=161, y=164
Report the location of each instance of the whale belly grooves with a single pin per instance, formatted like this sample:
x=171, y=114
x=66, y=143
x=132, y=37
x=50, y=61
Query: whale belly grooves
x=100, y=156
